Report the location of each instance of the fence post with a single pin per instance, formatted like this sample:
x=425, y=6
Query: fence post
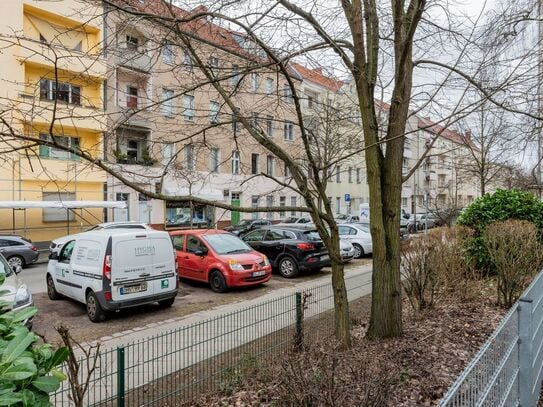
x=120, y=376
x=298, y=337
x=526, y=380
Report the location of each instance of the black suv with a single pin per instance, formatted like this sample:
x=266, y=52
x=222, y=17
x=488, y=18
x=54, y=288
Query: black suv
x=289, y=249
x=246, y=225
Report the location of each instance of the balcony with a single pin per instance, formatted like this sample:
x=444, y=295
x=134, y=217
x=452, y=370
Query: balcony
x=430, y=175
x=129, y=117
x=133, y=59
x=42, y=55
x=133, y=147
x=84, y=117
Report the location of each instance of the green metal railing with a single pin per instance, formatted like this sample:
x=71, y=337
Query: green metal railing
x=180, y=364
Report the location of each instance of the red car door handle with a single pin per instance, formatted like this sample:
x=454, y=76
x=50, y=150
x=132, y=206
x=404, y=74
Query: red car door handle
x=186, y=257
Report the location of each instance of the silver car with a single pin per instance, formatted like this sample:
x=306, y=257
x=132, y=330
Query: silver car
x=347, y=250
x=13, y=290
x=359, y=236
x=18, y=251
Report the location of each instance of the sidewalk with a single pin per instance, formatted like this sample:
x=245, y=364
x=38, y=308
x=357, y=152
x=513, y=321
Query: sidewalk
x=160, y=349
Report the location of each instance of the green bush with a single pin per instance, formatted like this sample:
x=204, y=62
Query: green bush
x=499, y=206
x=28, y=371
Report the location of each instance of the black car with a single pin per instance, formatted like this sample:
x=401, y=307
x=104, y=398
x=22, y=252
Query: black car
x=289, y=249
x=18, y=251
x=246, y=226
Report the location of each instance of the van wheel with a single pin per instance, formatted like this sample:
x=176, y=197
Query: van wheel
x=167, y=303
x=358, y=251
x=51, y=290
x=288, y=267
x=217, y=282
x=94, y=310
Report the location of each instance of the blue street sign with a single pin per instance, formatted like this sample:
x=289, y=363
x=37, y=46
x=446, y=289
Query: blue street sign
x=347, y=197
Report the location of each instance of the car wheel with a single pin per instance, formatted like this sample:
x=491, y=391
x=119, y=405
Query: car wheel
x=15, y=261
x=51, y=290
x=94, y=310
x=358, y=251
x=288, y=267
x=167, y=303
x=217, y=282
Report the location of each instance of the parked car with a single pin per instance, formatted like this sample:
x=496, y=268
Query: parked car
x=112, y=269
x=428, y=221
x=246, y=225
x=347, y=250
x=14, y=291
x=289, y=249
x=359, y=236
x=219, y=258
x=18, y=251
x=56, y=243
x=413, y=224
x=296, y=221
x=341, y=218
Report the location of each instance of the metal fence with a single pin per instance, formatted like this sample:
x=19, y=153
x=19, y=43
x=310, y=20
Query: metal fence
x=178, y=365
x=507, y=370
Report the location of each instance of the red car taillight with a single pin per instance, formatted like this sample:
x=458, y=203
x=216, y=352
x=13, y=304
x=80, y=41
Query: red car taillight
x=305, y=246
x=34, y=248
x=107, y=267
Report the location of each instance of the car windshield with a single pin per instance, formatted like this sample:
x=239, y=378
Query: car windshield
x=244, y=222
x=341, y=216
x=222, y=243
x=5, y=268
x=292, y=219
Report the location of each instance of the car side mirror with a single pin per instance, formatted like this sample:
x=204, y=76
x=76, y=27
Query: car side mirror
x=53, y=256
x=17, y=269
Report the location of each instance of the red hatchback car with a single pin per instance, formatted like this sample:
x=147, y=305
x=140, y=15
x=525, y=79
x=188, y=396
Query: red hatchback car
x=219, y=258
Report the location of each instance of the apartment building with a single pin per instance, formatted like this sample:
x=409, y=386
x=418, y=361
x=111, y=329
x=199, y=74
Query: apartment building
x=52, y=80
x=170, y=131
x=332, y=119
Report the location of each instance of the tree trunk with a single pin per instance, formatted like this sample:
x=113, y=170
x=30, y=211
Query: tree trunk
x=341, y=303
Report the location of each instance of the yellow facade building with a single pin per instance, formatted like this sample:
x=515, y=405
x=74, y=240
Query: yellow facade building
x=52, y=82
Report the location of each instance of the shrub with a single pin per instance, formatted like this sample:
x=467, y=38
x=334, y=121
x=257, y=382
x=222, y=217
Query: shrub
x=516, y=253
x=27, y=370
x=499, y=206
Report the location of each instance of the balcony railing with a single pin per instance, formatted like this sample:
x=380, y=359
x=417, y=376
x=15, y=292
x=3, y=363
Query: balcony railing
x=138, y=60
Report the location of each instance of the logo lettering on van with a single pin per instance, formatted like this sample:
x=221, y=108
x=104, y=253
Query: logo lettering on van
x=145, y=251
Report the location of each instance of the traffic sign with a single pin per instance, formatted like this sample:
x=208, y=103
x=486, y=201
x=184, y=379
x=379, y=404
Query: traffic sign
x=347, y=197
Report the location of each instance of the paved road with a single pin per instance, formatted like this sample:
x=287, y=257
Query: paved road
x=154, y=351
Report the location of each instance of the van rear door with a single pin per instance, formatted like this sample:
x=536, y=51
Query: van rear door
x=163, y=273
x=131, y=266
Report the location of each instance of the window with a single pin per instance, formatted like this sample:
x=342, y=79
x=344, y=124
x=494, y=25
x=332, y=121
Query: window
x=167, y=54
x=405, y=164
x=118, y=213
x=66, y=92
x=213, y=112
x=189, y=157
x=254, y=204
x=338, y=173
x=350, y=173
x=236, y=76
x=57, y=214
x=187, y=61
x=188, y=107
x=311, y=99
x=289, y=131
x=358, y=176
x=132, y=97
x=404, y=202
x=132, y=43
x=58, y=153
x=214, y=159
x=269, y=165
x=254, y=120
x=79, y=46
x=269, y=126
x=194, y=245
x=213, y=62
x=282, y=203
x=178, y=241
x=293, y=204
x=269, y=204
x=255, y=82
x=338, y=205
x=286, y=170
x=65, y=255
x=167, y=102
x=255, y=164
x=287, y=93
x=406, y=144
x=167, y=153
x=269, y=86
x=235, y=162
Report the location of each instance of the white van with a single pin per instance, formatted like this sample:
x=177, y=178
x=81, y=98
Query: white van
x=113, y=269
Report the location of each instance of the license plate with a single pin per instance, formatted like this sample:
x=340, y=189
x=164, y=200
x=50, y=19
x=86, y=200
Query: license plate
x=259, y=273
x=323, y=258
x=134, y=289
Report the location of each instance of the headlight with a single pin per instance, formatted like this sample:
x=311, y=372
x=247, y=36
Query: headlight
x=235, y=266
x=266, y=261
x=22, y=297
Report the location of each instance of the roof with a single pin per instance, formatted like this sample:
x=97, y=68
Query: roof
x=317, y=77
x=456, y=137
